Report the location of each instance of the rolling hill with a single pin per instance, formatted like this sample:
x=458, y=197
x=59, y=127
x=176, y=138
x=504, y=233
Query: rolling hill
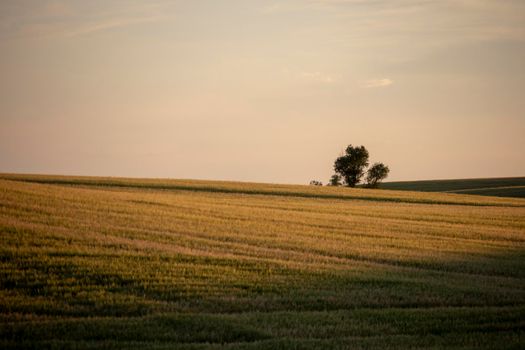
x=121, y=263
x=500, y=187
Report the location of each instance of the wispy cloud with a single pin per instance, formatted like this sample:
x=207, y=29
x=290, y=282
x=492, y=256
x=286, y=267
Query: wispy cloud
x=71, y=19
x=317, y=77
x=377, y=83
x=273, y=8
x=342, y=2
x=110, y=24
x=429, y=23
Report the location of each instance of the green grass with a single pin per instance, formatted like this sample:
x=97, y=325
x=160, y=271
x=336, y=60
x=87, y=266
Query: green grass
x=501, y=187
x=159, y=264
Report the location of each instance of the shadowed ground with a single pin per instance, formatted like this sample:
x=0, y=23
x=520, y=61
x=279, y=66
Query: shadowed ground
x=500, y=187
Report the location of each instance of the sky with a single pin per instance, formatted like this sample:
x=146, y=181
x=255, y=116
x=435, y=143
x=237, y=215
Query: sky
x=262, y=91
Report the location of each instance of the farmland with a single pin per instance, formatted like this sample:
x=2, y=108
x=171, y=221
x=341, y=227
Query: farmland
x=501, y=187
x=139, y=263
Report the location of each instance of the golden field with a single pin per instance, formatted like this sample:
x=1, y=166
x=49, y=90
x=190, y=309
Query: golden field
x=139, y=263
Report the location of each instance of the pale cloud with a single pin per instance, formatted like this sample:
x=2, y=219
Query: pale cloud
x=377, y=83
x=340, y=2
x=436, y=23
x=110, y=24
x=274, y=8
x=317, y=77
x=286, y=7
x=70, y=19
x=271, y=8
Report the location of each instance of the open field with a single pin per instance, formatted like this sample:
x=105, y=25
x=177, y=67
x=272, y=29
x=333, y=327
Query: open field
x=158, y=264
x=501, y=187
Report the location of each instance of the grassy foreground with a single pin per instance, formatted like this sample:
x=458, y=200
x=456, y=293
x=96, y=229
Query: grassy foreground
x=501, y=187
x=159, y=264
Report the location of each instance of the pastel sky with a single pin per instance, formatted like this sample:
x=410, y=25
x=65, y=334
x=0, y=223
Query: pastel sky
x=266, y=91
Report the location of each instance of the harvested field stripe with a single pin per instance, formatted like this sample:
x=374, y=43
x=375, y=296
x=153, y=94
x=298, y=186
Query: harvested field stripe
x=227, y=190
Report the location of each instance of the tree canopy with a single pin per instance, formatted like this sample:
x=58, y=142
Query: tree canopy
x=376, y=173
x=351, y=166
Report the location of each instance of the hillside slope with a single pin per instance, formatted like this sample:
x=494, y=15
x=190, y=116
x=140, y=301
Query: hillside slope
x=501, y=187
x=129, y=263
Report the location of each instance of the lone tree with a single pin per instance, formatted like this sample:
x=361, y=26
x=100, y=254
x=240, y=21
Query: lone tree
x=351, y=166
x=376, y=174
